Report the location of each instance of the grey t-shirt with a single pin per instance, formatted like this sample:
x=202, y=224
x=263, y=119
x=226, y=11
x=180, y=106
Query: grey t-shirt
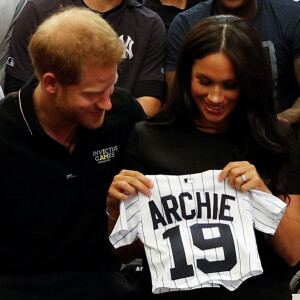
x=9, y=12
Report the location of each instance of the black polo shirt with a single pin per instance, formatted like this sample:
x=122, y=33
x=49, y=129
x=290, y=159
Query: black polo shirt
x=52, y=205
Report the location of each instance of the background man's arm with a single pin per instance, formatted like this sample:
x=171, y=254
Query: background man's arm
x=292, y=115
x=150, y=105
x=170, y=75
x=286, y=238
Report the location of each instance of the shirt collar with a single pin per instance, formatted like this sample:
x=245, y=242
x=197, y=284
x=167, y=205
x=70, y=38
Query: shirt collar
x=27, y=109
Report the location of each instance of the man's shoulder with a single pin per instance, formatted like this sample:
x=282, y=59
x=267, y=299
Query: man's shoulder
x=120, y=93
x=123, y=99
x=10, y=100
x=281, y=8
x=144, y=13
x=198, y=12
x=134, y=15
x=282, y=3
x=44, y=6
x=125, y=112
x=9, y=111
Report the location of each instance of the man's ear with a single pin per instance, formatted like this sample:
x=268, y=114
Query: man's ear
x=50, y=83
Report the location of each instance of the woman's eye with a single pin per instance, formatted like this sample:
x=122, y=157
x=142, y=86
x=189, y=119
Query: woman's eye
x=205, y=82
x=230, y=85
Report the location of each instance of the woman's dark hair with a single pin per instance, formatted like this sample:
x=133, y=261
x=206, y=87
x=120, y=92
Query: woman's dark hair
x=254, y=121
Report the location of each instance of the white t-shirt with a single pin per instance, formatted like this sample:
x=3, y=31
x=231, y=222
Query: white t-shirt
x=197, y=231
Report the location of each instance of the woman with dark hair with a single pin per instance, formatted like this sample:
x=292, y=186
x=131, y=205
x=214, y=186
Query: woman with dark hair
x=221, y=116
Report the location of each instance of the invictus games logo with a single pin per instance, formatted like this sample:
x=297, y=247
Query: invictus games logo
x=105, y=155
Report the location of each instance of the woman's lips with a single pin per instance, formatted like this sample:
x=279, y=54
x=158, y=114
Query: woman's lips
x=214, y=108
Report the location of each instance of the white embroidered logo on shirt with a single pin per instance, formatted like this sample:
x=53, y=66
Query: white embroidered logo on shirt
x=10, y=61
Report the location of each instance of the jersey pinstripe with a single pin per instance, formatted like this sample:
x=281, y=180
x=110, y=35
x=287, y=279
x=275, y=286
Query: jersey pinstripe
x=197, y=231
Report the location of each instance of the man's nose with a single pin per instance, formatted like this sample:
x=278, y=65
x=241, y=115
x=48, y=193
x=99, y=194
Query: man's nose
x=104, y=101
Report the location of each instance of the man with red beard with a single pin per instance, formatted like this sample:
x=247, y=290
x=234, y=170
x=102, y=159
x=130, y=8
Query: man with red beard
x=61, y=142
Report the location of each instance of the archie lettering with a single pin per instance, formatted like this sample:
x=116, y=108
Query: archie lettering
x=209, y=206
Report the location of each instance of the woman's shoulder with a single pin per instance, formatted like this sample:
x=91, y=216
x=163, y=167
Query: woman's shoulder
x=145, y=127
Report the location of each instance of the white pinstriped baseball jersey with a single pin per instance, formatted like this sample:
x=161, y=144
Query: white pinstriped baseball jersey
x=197, y=231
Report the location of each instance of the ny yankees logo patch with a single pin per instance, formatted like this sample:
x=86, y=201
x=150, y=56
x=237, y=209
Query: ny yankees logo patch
x=128, y=46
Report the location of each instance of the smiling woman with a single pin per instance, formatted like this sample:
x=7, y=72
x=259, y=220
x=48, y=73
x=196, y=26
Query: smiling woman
x=215, y=91
x=220, y=116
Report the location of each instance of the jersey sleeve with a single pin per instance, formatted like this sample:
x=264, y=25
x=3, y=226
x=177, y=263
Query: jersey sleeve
x=267, y=211
x=125, y=231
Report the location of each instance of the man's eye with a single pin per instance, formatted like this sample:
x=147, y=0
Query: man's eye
x=92, y=94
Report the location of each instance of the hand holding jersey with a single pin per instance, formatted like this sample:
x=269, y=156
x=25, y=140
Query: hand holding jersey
x=243, y=176
x=129, y=182
x=124, y=184
x=202, y=230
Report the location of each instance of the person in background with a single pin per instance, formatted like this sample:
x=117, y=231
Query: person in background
x=1, y=93
x=62, y=139
x=278, y=25
x=168, y=9
x=221, y=116
x=140, y=29
x=9, y=12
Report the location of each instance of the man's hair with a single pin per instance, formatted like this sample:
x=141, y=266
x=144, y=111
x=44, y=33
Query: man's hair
x=70, y=38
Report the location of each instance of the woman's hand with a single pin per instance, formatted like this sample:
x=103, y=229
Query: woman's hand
x=124, y=184
x=243, y=176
